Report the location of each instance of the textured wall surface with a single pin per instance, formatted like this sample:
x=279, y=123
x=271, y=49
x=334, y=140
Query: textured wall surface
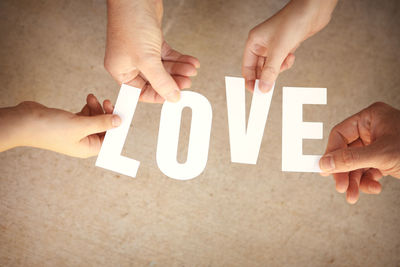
x=60, y=211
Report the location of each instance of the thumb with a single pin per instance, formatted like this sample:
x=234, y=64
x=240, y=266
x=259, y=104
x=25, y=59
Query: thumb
x=100, y=123
x=350, y=158
x=160, y=79
x=271, y=71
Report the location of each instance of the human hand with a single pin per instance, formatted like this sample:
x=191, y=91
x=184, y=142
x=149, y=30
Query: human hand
x=78, y=135
x=137, y=55
x=271, y=44
x=362, y=149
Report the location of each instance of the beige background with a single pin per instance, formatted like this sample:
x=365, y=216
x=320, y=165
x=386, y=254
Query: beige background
x=60, y=211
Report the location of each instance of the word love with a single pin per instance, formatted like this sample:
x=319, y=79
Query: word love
x=244, y=141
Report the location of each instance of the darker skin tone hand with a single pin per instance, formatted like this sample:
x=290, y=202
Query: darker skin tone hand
x=362, y=149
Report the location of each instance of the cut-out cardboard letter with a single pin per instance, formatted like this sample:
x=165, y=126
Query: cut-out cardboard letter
x=199, y=140
x=245, y=143
x=294, y=130
x=110, y=153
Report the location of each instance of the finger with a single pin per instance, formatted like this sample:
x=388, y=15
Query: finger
x=344, y=133
x=94, y=105
x=149, y=95
x=85, y=111
x=91, y=144
x=160, y=79
x=375, y=174
x=98, y=124
x=342, y=181
x=169, y=54
x=347, y=132
x=249, y=85
x=122, y=77
x=353, y=189
x=138, y=82
x=271, y=70
x=108, y=107
x=288, y=62
x=369, y=181
x=249, y=66
x=351, y=158
x=260, y=65
x=179, y=68
x=182, y=81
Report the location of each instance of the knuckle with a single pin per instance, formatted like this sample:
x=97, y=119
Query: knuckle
x=101, y=122
x=271, y=70
x=249, y=74
x=148, y=63
x=33, y=109
x=349, y=157
x=148, y=57
x=142, y=59
x=253, y=35
x=379, y=110
x=379, y=107
x=28, y=104
x=107, y=64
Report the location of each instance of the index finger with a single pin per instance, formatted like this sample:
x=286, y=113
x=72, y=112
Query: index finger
x=344, y=133
x=340, y=137
x=249, y=66
x=170, y=54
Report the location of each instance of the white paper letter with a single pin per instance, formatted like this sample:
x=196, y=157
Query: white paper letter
x=110, y=153
x=294, y=130
x=199, y=140
x=245, y=144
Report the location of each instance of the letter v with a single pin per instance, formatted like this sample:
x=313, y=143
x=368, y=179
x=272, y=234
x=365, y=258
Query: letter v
x=245, y=143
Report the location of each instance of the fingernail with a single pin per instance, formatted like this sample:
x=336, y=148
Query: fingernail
x=352, y=201
x=115, y=121
x=249, y=85
x=327, y=163
x=173, y=96
x=264, y=86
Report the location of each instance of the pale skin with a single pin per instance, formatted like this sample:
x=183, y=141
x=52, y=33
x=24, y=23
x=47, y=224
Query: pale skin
x=137, y=54
x=270, y=45
x=78, y=135
x=362, y=149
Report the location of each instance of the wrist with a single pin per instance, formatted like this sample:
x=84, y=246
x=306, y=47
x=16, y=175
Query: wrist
x=317, y=13
x=25, y=120
x=12, y=124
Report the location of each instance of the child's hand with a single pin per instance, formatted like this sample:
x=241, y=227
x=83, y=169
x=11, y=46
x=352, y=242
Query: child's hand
x=77, y=135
